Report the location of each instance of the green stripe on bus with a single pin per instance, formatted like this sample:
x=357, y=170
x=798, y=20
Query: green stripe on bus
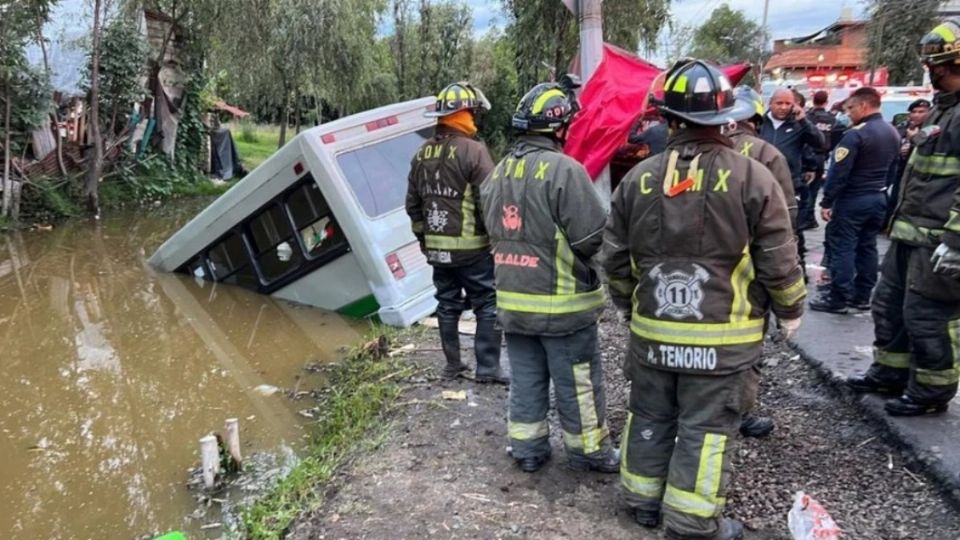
x=361, y=308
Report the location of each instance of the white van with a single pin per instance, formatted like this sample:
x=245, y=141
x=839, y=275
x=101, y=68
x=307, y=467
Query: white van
x=322, y=221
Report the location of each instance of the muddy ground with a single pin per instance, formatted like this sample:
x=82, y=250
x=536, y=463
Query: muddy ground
x=443, y=470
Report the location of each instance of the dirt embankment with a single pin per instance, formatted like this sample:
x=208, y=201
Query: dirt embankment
x=443, y=471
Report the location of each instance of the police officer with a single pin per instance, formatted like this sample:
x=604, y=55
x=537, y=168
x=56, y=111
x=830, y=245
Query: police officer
x=855, y=202
x=698, y=248
x=546, y=222
x=916, y=306
x=442, y=196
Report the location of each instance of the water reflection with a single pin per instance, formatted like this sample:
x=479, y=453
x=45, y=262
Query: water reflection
x=109, y=373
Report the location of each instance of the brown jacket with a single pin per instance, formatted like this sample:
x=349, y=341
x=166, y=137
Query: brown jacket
x=701, y=269
x=443, y=193
x=746, y=142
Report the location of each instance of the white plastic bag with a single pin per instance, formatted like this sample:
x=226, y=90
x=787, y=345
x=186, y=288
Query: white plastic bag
x=809, y=521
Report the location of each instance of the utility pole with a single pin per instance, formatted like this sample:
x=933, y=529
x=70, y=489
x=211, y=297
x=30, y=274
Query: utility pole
x=590, y=15
x=591, y=36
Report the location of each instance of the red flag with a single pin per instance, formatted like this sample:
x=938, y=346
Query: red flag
x=611, y=101
x=736, y=72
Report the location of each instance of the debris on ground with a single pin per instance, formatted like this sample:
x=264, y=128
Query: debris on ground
x=445, y=470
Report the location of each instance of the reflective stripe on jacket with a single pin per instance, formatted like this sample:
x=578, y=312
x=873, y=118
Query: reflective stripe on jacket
x=700, y=268
x=928, y=210
x=545, y=221
x=442, y=196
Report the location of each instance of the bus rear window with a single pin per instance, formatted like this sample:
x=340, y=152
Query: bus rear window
x=377, y=174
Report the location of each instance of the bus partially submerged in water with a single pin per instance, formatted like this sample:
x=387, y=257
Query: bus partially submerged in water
x=322, y=221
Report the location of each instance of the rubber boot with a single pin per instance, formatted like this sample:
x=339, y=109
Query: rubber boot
x=450, y=341
x=756, y=426
x=487, y=349
x=730, y=529
x=605, y=461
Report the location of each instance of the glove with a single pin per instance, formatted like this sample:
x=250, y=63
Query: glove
x=946, y=261
x=789, y=327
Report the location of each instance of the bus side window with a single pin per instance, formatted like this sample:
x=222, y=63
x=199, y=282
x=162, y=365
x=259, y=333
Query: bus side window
x=318, y=230
x=230, y=263
x=274, y=244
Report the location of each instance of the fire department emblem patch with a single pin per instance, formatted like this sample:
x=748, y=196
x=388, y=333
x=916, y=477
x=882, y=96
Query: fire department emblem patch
x=679, y=294
x=436, y=219
x=511, y=218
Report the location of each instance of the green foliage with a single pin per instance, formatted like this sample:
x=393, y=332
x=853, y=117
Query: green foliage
x=27, y=89
x=191, y=133
x=634, y=24
x=360, y=390
x=893, y=32
x=248, y=132
x=122, y=60
x=727, y=37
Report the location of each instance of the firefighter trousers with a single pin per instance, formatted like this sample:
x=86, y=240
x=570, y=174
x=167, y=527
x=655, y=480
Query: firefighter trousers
x=678, y=442
x=572, y=362
x=916, y=317
x=476, y=280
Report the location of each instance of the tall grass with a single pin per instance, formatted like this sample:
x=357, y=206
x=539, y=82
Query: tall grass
x=361, y=388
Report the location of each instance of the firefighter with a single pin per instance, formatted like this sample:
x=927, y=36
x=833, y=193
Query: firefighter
x=745, y=141
x=546, y=221
x=916, y=305
x=442, y=196
x=698, y=248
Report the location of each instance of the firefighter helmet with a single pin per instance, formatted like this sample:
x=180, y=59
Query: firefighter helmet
x=700, y=94
x=459, y=96
x=748, y=95
x=547, y=107
x=940, y=46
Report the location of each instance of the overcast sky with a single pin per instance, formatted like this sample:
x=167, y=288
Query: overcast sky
x=787, y=18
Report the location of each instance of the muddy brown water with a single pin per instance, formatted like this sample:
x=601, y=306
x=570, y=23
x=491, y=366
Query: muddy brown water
x=111, y=372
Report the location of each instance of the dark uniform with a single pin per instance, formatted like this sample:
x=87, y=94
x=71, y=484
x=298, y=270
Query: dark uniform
x=825, y=123
x=748, y=144
x=546, y=222
x=916, y=311
x=863, y=163
x=698, y=263
x=442, y=202
x=791, y=138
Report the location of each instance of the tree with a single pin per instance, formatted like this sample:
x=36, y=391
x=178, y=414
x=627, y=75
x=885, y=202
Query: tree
x=893, y=31
x=91, y=184
x=728, y=36
x=545, y=35
x=23, y=91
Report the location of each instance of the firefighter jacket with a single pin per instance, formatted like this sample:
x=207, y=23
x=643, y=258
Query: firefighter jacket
x=746, y=142
x=546, y=223
x=442, y=195
x=928, y=208
x=699, y=262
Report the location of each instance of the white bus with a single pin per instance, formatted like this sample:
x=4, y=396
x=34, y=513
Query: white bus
x=322, y=222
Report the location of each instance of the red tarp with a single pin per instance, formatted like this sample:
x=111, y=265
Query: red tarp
x=611, y=102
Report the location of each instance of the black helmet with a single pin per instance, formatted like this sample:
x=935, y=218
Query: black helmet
x=548, y=107
x=701, y=94
x=940, y=45
x=459, y=96
x=747, y=94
